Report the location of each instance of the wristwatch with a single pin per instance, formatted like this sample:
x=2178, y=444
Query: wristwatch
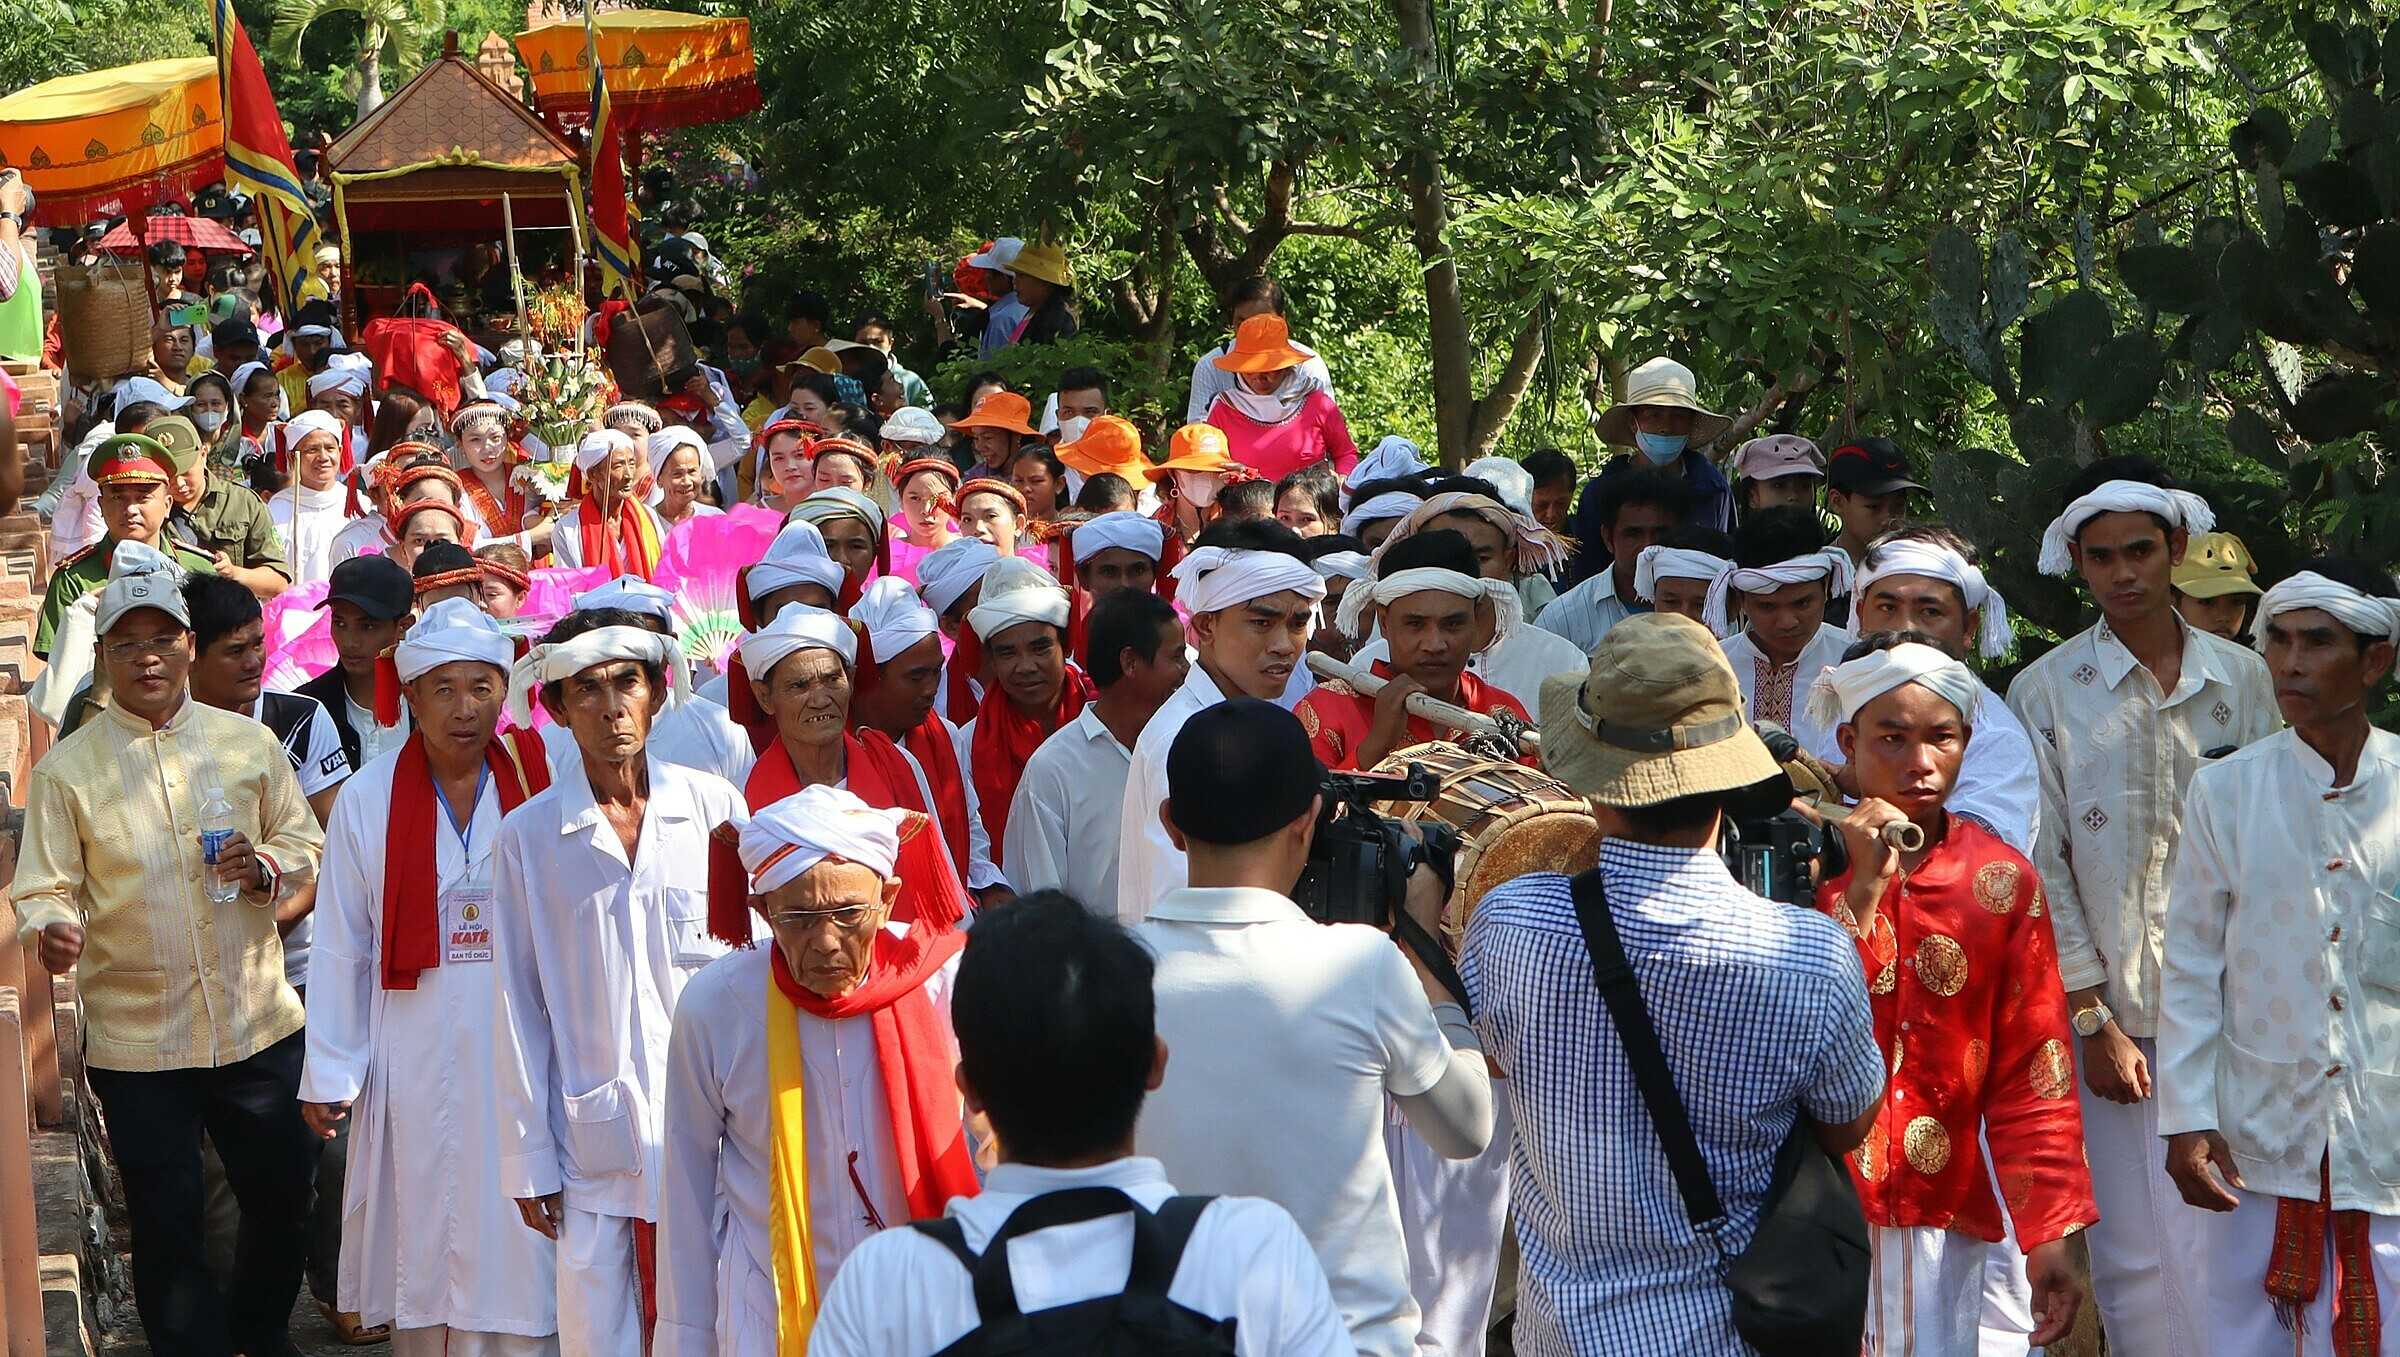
x=16, y=219
x=2089, y=1021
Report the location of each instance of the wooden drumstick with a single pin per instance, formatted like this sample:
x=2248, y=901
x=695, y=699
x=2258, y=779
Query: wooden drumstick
x=1433, y=709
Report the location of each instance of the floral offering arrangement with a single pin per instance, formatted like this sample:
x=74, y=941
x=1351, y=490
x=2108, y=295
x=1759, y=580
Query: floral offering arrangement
x=563, y=397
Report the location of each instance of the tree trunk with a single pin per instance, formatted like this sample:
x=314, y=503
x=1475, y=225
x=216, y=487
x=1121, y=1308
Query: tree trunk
x=1429, y=223
x=1493, y=411
x=370, y=73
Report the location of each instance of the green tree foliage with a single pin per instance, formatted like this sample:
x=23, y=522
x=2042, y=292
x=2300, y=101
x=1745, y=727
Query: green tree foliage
x=44, y=39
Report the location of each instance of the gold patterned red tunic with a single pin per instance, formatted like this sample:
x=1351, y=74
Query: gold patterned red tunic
x=1962, y=975
x=1339, y=718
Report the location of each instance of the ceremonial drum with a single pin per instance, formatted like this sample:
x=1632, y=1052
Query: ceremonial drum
x=1510, y=819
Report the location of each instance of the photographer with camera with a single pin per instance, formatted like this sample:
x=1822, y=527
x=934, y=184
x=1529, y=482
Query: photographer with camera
x=1288, y=1033
x=1759, y=1009
x=1958, y=956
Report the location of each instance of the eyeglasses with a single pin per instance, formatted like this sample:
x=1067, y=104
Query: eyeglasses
x=847, y=920
x=126, y=652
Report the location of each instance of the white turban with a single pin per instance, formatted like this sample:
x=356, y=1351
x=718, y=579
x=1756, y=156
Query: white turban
x=813, y=825
x=140, y=576
x=662, y=445
x=1342, y=565
x=505, y=381
x=632, y=595
x=598, y=446
x=338, y=379
x=840, y=501
x=1909, y=556
x=307, y=422
x=796, y=556
x=1389, y=504
x=2181, y=508
x=1514, y=482
x=950, y=570
x=563, y=660
x=1841, y=690
x=1532, y=546
x=1124, y=528
x=1674, y=563
x=2361, y=612
x=1830, y=565
x=452, y=630
x=893, y=617
x=1017, y=590
x=1212, y=579
x=797, y=628
x=1392, y=459
x=1359, y=598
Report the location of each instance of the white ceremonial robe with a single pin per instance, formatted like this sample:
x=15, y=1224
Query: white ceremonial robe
x=307, y=522
x=693, y=732
x=1924, y=1293
x=716, y=1279
x=566, y=540
x=429, y=1238
x=1063, y=827
x=1454, y=1220
x=584, y=1016
x=369, y=536
x=1148, y=863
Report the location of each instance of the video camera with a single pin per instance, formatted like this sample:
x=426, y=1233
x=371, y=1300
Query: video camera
x=1359, y=861
x=1772, y=854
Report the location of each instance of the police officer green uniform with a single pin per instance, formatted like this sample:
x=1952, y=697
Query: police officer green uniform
x=227, y=517
x=126, y=459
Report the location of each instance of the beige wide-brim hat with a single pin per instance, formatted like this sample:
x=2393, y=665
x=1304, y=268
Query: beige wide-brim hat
x=1661, y=381
x=1658, y=716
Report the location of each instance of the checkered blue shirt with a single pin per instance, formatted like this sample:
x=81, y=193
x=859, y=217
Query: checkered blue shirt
x=1761, y=1008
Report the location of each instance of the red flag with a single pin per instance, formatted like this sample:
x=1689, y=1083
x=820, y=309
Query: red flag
x=258, y=157
x=612, y=232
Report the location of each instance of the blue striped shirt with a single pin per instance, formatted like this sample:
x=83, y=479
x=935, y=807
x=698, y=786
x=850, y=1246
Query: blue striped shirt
x=1761, y=1009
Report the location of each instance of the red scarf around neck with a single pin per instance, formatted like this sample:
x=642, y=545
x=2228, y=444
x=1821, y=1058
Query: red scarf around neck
x=627, y=544
x=1005, y=737
x=936, y=749
x=912, y=1047
x=412, y=916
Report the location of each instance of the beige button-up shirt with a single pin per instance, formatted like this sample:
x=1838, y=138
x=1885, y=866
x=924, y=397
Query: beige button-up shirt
x=112, y=837
x=2115, y=755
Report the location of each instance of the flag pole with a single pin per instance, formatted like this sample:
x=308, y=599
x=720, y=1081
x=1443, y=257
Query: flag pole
x=516, y=277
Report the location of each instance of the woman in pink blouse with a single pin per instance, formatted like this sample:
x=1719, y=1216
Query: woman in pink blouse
x=1276, y=421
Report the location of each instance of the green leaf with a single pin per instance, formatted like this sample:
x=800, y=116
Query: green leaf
x=2070, y=331
x=2084, y=248
x=2309, y=148
x=1957, y=265
x=2042, y=433
x=2375, y=272
x=2250, y=436
x=2168, y=277
x=2362, y=117
x=2216, y=338
x=2123, y=379
x=2265, y=135
x=2010, y=279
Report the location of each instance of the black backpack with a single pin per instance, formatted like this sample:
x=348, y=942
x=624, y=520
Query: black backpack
x=1138, y=1322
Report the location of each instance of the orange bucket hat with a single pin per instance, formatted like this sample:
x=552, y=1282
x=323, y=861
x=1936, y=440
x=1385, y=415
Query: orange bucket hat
x=1263, y=344
x=1195, y=447
x=1110, y=444
x=1001, y=410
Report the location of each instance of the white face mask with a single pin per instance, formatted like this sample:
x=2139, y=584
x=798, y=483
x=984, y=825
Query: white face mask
x=1072, y=428
x=1200, y=487
x=208, y=421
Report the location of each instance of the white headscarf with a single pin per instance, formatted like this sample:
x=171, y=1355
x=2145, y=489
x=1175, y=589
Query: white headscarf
x=2181, y=508
x=2361, y=612
x=1212, y=579
x=241, y=378
x=598, y=446
x=840, y=501
x=1674, y=563
x=1366, y=595
x=556, y=663
x=815, y=824
x=663, y=444
x=1909, y=556
x=1829, y=565
x=1392, y=459
x=1342, y=565
x=796, y=556
x=338, y=379
x=951, y=569
x=1389, y=504
x=1514, y=482
x=1017, y=590
x=893, y=616
x=632, y=595
x=449, y=631
x=1124, y=528
x=1533, y=547
x=797, y=628
x=1842, y=690
x=307, y=422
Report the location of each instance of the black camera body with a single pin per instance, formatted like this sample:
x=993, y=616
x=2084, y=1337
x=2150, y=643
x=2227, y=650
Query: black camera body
x=1771, y=848
x=1359, y=861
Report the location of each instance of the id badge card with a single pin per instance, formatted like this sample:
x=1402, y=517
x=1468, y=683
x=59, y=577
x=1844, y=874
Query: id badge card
x=468, y=915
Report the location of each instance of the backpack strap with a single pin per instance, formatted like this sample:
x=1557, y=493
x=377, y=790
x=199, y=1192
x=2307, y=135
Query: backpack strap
x=1173, y=1224
x=947, y=1232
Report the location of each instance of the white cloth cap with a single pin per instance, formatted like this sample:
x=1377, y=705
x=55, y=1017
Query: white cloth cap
x=1830, y=565
x=1017, y=590
x=893, y=616
x=2181, y=508
x=1342, y=565
x=1841, y=690
x=1212, y=579
x=1674, y=563
x=136, y=390
x=632, y=595
x=307, y=422
x=662, y=445
x=140, y=576
x=797, y=628
x=1910, y=556
x=241, y=378
x=796, y=556
x=1361, y=598
x=784, y=840
x=2361, y=612
x=912, y=424
x=1514, y=482
x=563, y=660
x=598, y=446
x=1392, y=458
x=1124, y=528
x=1389, y=504
x=1533, y=547
x=452, y=630
x=1002, y=255
x=950, y=570
x=338, y=379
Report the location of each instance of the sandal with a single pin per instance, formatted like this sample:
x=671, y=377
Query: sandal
x=350, y=1331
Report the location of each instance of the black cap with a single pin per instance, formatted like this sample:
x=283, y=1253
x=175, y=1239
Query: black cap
x=233, y=334
x=1868, y=466
x=1239, y=771
x=380, y=587
x=317, y=311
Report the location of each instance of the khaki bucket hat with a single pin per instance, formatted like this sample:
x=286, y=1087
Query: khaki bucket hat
x=1661, y=381
x=1657, y=717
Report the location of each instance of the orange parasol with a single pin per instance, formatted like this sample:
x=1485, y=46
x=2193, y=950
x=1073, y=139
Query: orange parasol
x=111, y=143
x=663, y=69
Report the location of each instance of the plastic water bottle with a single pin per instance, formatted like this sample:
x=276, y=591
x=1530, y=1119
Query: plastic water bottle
x=216, y=828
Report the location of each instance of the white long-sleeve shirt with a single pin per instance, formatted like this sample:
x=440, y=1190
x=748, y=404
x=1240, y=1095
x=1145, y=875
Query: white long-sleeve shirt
x=2279, y=1004
x=716, y=1292
x=591, y=954
x=1063, y=827
x=307, y=524
x=1148, y=863
x=566, y=540
x=429, y=1237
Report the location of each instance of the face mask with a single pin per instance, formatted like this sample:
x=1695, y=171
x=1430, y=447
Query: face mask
x=1200, y=487
x=742, y=366
x=1660, y=448
x=208, y=421
x=1072, y=428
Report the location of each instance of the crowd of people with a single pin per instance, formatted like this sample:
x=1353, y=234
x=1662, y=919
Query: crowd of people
x=884, y=984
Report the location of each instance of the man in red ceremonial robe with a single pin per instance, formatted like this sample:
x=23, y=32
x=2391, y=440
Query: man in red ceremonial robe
x=803, y=670
x=1963, y=978
x=1020, y=622
x=1435, y=614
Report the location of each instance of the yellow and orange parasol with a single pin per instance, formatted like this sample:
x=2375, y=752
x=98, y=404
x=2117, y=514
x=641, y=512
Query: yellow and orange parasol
x=663, y=69
x=116, y=142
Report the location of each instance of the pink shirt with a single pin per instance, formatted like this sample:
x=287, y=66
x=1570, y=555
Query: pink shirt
x=1275, y=451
